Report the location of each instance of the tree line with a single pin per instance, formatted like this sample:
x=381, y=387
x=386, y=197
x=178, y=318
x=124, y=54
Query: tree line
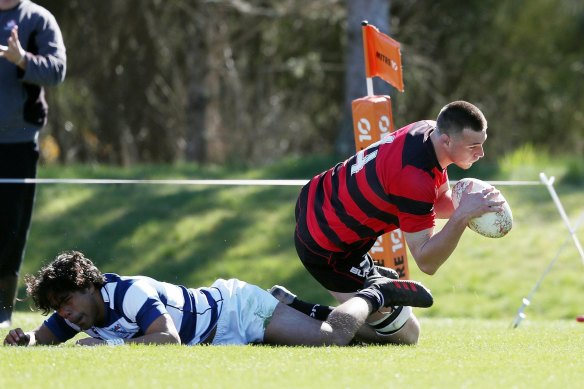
x=242, y=81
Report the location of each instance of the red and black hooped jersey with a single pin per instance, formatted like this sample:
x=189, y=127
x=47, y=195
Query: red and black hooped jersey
x=391, y=184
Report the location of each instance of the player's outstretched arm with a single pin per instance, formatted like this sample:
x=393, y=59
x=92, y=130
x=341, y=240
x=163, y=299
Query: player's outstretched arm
x=430, y=250
x=161, y=331
x=38, y=337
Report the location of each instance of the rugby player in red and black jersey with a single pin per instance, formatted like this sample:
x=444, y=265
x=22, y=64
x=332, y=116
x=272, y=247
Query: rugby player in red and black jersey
x=399, y=182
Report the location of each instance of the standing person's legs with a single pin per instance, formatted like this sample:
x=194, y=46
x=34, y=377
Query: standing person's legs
x=18, y=160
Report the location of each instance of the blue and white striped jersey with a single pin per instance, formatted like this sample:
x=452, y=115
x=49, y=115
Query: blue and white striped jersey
x=133, y=303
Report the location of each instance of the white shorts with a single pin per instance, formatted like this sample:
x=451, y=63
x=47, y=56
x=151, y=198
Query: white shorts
x=244, y=314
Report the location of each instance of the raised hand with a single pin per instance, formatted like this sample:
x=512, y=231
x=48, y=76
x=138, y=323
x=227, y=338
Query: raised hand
x=14, y=52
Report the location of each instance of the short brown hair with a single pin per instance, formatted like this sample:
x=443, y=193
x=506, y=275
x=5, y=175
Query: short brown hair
x=457, y=116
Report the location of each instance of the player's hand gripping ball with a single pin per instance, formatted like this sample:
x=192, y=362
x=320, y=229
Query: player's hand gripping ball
x=490, y=224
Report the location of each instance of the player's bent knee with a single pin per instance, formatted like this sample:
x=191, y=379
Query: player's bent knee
x=399, y=326
x=409, y=334
x=392, y=322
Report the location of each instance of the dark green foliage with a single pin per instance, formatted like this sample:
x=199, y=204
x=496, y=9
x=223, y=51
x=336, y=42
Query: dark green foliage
x=250, y=82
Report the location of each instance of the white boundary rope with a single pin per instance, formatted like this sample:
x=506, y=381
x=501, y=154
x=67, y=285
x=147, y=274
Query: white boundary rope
x=84, y=181
x=228, y=182
x=251, y=182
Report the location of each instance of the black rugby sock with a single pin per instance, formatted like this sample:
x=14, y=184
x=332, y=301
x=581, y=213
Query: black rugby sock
x=374, y=296
x=317, y=311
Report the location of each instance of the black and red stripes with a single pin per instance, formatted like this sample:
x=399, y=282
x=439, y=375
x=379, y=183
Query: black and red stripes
x=391, y=184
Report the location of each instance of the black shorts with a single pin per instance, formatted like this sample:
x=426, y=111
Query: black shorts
x=342, y=272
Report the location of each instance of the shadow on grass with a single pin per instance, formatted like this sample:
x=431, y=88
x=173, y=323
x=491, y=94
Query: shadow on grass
x=177, y=234
x=194, y=234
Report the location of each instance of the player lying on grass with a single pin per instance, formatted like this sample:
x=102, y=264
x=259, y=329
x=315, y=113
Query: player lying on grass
x=114, y=310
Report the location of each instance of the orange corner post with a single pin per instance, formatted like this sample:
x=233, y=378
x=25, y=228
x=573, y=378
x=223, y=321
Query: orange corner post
x=372, y=120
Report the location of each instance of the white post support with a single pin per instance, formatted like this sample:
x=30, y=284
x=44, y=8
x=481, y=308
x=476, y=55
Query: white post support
x=369, y=81
x=549, y=183
x=526, y=301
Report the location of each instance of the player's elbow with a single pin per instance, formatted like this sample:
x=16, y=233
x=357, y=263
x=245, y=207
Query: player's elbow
x=426, y=262
x=174, y=339
x=425, y=255
x=427, y=267
x=163, y=338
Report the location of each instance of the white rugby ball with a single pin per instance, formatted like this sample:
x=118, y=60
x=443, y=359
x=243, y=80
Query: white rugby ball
x=490, y=224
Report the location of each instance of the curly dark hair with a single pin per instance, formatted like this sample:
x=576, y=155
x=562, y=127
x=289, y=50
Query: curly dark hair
x=68, y=272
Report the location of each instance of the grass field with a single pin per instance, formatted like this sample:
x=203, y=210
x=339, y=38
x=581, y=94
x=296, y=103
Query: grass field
x=192, y=235
x=460, y=353
x=195, y=234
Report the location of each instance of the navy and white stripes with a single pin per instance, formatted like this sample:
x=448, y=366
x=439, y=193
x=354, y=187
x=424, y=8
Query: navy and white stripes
x=133, y=303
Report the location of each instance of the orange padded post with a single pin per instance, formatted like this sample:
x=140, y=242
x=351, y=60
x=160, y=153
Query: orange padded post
x=372, y=120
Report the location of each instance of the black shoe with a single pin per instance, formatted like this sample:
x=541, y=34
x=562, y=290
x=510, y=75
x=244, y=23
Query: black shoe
x=400, y=292
x=387, y=272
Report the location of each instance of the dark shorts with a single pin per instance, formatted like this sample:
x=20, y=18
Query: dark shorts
x=338, y=272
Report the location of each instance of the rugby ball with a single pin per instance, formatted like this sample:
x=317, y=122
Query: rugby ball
x=490, y=224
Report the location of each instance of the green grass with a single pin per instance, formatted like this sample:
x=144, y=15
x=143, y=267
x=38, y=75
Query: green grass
x=461, y=353
x=194, y=234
